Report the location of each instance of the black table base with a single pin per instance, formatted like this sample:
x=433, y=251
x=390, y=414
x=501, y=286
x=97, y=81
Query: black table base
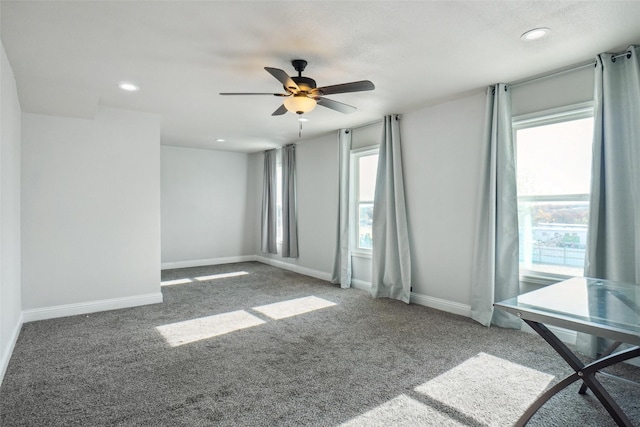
x=583, y=372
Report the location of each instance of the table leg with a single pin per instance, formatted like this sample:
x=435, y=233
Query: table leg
x=584, y=372
x=608, y=351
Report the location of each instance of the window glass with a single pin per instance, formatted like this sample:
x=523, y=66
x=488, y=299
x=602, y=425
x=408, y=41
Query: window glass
x=365, y=168
x=555, y=159
x=365, y=223
x=368, y=166
x=553, y=176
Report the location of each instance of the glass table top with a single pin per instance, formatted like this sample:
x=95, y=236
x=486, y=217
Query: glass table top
x=600, y=307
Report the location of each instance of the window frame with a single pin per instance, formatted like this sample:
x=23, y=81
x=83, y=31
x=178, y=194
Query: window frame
x=356, y=154
x=583, y=110
x=279, y=227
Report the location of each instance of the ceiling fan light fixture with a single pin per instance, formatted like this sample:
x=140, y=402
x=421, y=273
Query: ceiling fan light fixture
x=299, y=104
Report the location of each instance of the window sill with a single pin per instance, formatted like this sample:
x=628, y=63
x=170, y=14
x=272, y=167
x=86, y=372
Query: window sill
x=361, y=254
x=541, y=279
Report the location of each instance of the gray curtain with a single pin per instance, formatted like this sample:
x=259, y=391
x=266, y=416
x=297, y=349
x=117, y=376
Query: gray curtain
x=342, y=262
x=289, y=203
x=613, y=246
x=495, y=269
x=269, y=184
x=391, y=257
x=613, y=249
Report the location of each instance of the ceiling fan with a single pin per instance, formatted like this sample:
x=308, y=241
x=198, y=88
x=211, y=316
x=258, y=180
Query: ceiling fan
x=301, y=94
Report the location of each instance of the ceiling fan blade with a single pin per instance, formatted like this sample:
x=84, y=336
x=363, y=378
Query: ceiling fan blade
x=254, y=93
x=280, y=111
x=345, y=87
x=283, y=78
x=335, y=105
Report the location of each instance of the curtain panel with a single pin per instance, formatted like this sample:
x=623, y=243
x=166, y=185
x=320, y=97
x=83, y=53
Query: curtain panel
x=391, y=256
x=613, y=249
x=289, y=203
x=613, y=245
x=269, y=184
x=342, y=261
x=495, y=269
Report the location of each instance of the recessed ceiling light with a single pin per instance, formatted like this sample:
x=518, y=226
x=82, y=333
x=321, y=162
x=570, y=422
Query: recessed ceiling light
x=129, y=87
x=535, y=34
x=220, y=140
x=303, y=119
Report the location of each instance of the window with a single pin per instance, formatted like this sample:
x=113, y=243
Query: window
x=364, y=167
x=553, y=161
x=279, y=197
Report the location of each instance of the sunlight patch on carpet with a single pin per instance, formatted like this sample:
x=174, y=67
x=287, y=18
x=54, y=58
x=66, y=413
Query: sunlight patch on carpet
x=491, y=390
x=403, y=411
x=203, y=278
x=294, y=307
x=202, y=328
x=175, y=282
x=221, y=276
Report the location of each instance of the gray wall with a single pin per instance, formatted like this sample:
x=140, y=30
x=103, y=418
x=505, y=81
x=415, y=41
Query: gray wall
x=441, y=149
x=90, y=212
x=90, y=194
x=441, y=168
x=10, y=292
x=441, y=152
x=205, y=213
x=317, y=180
x=564, y=89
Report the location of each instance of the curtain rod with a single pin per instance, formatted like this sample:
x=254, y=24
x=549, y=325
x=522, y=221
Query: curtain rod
x=366, y=124
x=620, y=55
x=568, y=70
x=375, y=122
x=553, y=74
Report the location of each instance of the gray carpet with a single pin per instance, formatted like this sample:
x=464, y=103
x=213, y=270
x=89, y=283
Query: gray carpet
x=241, y=361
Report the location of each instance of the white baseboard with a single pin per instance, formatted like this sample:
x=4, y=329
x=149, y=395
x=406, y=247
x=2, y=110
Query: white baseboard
x=634, y=362
x=425, y=300
x=567, y=336
x=361, y=284
x=295, y=268
x=441, y=304
x=209, y=261
x=90, y=307
x=5, y=356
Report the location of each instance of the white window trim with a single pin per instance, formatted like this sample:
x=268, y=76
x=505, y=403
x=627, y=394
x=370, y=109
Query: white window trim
x=582, y=110
x=354, y=185
x=555, y=198
x=578, y=111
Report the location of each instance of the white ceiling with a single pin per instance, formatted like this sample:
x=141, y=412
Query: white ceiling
x=68, y=57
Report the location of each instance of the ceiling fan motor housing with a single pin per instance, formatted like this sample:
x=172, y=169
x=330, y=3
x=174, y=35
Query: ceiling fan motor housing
x=304, y=83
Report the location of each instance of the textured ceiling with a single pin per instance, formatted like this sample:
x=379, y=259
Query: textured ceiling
x=69, y=56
